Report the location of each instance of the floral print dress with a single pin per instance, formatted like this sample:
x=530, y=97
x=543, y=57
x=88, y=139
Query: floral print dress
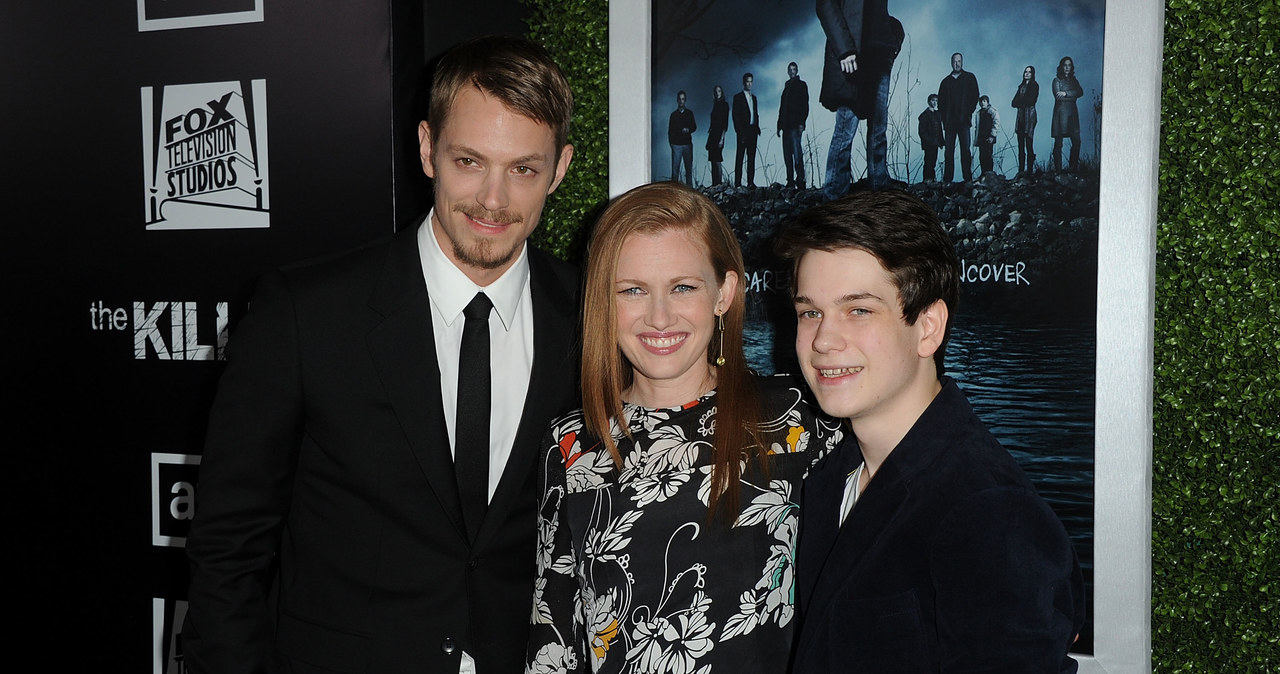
x=632, y=578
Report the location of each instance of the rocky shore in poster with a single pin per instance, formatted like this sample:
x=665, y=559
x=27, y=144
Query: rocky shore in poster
x=1028, y=242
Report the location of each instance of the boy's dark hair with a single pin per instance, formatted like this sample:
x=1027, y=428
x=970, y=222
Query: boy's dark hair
x=900, y=231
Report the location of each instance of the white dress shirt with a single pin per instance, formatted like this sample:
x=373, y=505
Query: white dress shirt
x=510, y=341
x=510, y=349
x=852, y=490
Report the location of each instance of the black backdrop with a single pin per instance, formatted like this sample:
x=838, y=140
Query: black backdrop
x=103, y=432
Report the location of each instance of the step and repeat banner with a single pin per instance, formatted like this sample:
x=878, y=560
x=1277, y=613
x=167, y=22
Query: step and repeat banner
x=159, y=157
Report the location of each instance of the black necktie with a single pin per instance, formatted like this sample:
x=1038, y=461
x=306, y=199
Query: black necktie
x=471, y=427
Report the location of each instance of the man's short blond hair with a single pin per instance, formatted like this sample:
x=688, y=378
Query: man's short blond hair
x=517, y=72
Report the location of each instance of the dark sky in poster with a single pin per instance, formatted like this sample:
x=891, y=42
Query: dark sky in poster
x=998, y=38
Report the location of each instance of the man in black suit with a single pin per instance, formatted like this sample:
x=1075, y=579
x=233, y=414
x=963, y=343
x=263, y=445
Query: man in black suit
x=793, y=112
x=680, y=127
x=746, y=126
x=367, y=490
x=957, y=99
x=923, y=546
x=931, y=139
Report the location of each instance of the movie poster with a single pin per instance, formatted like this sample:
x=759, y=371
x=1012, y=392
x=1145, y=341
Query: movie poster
x=1019, y=195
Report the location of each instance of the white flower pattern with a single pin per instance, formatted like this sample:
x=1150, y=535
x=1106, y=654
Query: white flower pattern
x=631, y=576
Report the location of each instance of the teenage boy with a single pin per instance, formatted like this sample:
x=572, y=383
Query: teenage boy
x=923, y=546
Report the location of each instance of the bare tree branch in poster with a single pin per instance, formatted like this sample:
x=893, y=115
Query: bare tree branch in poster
x=672, y=21
x=899, y=132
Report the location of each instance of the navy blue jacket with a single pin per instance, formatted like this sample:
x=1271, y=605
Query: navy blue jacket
x=949, y=562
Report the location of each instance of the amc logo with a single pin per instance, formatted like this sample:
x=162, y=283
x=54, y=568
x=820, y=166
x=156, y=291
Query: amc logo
x=173, y=497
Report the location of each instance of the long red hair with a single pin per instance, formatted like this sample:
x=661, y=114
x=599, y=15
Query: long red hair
x=606, y=373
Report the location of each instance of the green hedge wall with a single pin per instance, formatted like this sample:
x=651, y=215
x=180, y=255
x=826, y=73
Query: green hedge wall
x=1216, y=469
x=576, y=32
x=1216, y=572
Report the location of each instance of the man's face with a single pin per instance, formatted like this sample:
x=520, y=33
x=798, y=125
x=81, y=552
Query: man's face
x=680, y=101
x=862, y=360
x=793, y=71
x=493, y=169
x=746, y=83
x=957, y=63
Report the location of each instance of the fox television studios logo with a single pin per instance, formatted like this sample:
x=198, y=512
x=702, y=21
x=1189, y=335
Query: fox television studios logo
x=166, y=15
x=205, y=156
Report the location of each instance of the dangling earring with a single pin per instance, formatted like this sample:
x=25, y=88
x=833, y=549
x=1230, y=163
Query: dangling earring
x=720, y=327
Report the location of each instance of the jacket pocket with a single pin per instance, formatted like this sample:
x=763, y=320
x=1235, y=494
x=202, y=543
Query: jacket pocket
x=321, y=646
x=883, y=634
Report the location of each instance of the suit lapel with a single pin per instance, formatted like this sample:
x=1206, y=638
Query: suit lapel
x=553, y=368
x=817, y=528
x=404, y=352
x=846, y=545
x=878, y=507
x=820, y=522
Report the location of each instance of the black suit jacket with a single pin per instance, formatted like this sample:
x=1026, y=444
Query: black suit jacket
x=949, y=562
x=746, y=120
x=957, y=99
x=328, y=527
x=865, y=29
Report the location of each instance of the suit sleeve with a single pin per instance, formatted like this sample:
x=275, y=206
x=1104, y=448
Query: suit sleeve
x=246, y=478
x=843, y=28
x=804, y=103
x=557, y=640
x=1009, y=592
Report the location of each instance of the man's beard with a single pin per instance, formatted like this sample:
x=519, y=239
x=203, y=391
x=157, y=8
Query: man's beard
x=481, y=254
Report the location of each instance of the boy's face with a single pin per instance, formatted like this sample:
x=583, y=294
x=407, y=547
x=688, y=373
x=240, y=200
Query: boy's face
x=862, y=360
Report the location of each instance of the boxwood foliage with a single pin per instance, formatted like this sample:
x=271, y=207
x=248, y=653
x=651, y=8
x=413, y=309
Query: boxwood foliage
x=576, y=32
x=1216, y=468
